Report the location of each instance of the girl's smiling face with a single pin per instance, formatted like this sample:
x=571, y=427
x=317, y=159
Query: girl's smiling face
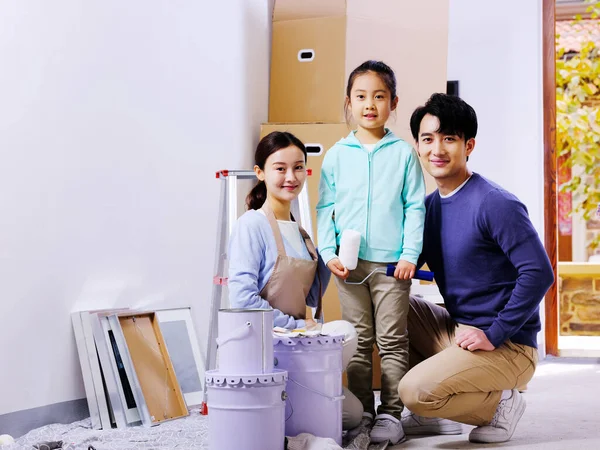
x=371, y=101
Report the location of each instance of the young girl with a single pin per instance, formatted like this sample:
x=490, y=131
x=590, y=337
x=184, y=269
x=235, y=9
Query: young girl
x=372, y=182
x=272, y=260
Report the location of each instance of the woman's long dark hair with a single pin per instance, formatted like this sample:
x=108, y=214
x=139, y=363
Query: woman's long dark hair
x=271, y=143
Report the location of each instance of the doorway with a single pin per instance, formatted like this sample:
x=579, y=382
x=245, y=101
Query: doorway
x=572, y=180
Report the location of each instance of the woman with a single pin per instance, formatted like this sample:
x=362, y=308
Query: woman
x=273, y=263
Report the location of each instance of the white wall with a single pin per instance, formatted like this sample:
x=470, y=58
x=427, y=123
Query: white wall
x=495, y=51
x=114, y=117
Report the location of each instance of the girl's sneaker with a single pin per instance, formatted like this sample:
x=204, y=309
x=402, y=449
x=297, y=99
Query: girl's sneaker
x=364, y=426
x=387, y=428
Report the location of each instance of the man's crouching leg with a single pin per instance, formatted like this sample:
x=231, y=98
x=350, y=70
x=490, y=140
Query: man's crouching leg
x=468, y=387
x=416, y=417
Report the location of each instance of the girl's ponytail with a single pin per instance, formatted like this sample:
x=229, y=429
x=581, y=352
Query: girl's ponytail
x=257, y=196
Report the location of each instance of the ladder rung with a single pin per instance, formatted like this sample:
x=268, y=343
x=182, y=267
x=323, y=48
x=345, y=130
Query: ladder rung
x=222, y=281
x=235, y=173
x=244, y=173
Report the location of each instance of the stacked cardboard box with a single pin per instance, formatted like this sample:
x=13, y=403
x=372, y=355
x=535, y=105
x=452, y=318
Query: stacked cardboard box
x=316, y=45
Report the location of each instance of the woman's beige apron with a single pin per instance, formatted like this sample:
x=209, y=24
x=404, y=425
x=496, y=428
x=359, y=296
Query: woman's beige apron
x=292, y=278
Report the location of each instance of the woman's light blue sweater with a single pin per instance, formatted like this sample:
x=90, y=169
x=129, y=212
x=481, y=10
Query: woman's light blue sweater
x=252, y=256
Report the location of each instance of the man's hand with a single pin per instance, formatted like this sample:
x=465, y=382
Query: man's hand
x=404, y=270
x=338, y=269
x=473, y=339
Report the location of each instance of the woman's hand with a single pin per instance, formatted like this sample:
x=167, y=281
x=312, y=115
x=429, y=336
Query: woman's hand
x=338, y=269
x=404, y=270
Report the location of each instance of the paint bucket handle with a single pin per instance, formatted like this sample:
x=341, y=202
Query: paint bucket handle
x=333, y=399
x=238, y=333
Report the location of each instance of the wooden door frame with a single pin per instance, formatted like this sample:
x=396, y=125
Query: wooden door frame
x=550, y=169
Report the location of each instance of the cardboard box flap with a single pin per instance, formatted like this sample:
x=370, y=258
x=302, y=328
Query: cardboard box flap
x=406, y=14
x=380, y=10
x=307, y=9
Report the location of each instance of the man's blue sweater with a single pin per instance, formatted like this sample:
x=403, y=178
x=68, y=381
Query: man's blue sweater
x=489, y=263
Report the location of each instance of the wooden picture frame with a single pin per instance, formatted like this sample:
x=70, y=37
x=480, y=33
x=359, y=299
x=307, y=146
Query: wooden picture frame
x=148, y=366
x=178, y=330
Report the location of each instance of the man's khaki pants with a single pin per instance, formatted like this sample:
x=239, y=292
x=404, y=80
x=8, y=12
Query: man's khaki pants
x=378, y=310
x=449, y=382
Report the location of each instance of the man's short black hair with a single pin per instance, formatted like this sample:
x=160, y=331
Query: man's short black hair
x=456, y=116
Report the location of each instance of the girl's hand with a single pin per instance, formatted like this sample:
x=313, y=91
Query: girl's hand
x=338, y=269
x=404, y=270
x=312, y=325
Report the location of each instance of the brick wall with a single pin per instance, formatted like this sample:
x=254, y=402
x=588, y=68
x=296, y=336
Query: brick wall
x=579, y=304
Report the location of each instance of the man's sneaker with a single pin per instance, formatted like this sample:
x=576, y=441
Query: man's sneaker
x=504, y=422
x=387, y=428
x=419, y=425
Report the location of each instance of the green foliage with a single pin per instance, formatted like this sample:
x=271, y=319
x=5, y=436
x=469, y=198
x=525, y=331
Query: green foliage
x=578, y=122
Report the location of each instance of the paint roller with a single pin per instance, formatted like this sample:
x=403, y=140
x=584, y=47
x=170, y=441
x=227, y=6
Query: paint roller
x=6, y=439
x=349, y=246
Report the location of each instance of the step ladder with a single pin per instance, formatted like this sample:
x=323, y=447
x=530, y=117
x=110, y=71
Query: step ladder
x=228, y=215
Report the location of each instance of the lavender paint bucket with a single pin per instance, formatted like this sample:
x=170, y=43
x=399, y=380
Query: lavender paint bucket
x=314, y=388
x=245, y=341
x=246, y=411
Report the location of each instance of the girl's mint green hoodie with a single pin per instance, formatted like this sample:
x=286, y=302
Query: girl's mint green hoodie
x=380, y=194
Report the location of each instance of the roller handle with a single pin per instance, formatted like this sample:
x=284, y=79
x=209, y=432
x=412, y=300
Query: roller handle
x=419, y=274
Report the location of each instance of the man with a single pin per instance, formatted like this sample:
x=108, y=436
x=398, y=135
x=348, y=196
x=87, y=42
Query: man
x=468, y=359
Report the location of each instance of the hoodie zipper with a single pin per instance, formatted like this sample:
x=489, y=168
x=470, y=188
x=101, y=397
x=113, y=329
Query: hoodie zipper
x=369, y=188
